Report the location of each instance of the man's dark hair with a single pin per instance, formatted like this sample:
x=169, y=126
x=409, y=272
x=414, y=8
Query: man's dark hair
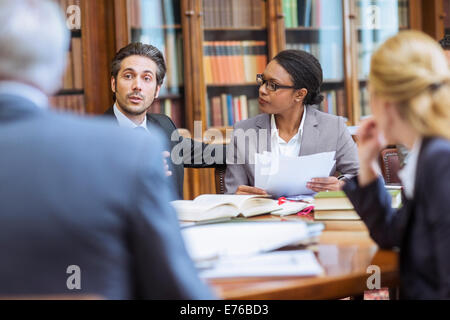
x=144, y=50
x=445, y=42
x=305, y=72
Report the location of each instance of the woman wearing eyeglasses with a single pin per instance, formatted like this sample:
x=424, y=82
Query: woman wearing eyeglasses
x=290, y=125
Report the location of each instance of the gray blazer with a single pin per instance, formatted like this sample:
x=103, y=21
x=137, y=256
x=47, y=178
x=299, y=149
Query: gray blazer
x=84, y=192
x=322, y=132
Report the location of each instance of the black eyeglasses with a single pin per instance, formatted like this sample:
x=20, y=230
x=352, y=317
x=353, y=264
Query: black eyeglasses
x=270, y=85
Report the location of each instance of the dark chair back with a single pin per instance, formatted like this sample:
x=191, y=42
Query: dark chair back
x=219, y=174
x=390, y=165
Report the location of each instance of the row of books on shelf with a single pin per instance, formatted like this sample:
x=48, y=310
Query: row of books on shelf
x=312, y=13
x=234, y=13
x=73, y=78
x=234, y=62
x=154, y=13
x=334, y=102
x=226, y=109
x=329, y=54
x=173, y=108
x=170, y=43
x=69, y=103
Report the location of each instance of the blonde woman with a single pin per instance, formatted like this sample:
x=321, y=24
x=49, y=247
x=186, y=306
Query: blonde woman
x=409, y=88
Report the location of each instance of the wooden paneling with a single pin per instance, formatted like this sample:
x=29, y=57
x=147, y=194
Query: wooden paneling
x=98, y=24
x=433, y=18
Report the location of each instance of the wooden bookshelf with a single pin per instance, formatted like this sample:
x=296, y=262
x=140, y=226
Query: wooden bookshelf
x=108, y=25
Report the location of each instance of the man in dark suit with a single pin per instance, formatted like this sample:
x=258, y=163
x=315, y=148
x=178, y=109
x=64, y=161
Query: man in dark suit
x=83, y=204
x=137, y=74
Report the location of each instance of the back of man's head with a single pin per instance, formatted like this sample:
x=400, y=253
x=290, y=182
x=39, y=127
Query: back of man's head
x=33, y=43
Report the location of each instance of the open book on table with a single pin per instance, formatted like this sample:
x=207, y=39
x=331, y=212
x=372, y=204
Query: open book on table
x=211, y=207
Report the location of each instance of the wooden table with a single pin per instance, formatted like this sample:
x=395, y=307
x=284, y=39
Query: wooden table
x=345, y=250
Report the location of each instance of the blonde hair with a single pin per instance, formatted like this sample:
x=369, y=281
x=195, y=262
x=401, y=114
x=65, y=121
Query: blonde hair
x=410, y=70
x=34, y=43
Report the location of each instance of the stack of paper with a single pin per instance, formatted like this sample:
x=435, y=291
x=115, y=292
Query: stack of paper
x=286, y=176
x=280, y=263
x=207, y=242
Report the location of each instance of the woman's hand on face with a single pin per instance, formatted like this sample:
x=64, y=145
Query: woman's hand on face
x=369, y=142
x=247, y=190
x=369, y=147
x=325, y=184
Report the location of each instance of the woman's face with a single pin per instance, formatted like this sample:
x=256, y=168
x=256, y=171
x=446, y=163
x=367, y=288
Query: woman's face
x=283, y=99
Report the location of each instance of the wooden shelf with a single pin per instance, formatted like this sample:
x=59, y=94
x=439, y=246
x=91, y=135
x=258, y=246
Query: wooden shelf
x=239, y=29
x=253, y=84
x=319, y=29
x=69, y=92
x=163, y=27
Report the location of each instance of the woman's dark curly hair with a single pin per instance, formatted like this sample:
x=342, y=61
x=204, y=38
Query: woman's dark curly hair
x=305, y=72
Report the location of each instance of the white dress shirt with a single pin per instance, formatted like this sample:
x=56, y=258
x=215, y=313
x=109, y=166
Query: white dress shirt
x=279, y=146
x=127, y=123
x=24, y=91
x=408, y=174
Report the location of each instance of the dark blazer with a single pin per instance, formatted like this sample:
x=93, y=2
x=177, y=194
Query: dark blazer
x=199, y=155
x=84, y=192
x=421, y=228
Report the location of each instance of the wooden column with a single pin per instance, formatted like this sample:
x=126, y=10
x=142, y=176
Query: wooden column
x=433, y=18
x=98, y=38
x=350, y=61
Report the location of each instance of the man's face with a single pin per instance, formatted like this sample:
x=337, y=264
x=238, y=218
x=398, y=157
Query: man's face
x=135, y=86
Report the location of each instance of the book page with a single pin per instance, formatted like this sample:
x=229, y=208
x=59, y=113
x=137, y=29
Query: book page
x=191, y=211
x=211, y=200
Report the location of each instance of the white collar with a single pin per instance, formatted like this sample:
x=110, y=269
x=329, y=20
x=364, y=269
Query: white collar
x=274, y=129
x=125, y=122
x=408, y=174
x=26, y=91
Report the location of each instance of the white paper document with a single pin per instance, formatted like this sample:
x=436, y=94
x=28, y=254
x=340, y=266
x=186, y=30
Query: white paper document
x=273, y=264
x=286, y=176
x=209, y=242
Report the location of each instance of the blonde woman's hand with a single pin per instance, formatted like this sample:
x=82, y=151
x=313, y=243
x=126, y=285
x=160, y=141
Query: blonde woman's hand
x=247, y=190
x=369, y=146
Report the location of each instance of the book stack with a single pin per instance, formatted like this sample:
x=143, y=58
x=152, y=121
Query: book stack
x=234, y=13
x=73, y=103
x=334, y=205
x=172, y=108
x=225, y=110
x=233, y=62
